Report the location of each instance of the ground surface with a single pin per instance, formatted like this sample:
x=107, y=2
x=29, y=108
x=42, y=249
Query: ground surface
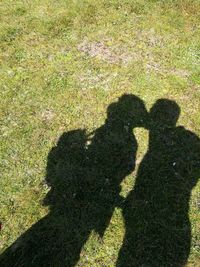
x=62, y=64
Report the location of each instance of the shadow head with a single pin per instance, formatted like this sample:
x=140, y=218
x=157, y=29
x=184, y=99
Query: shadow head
x=72, y=139
x=164, y=113
x=129, y=110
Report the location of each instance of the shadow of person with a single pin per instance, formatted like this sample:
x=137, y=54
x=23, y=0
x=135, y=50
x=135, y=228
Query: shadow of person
x=84, y=175
x=44, y=243
x=158, y=231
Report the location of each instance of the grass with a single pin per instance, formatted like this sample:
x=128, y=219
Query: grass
x=62, y=64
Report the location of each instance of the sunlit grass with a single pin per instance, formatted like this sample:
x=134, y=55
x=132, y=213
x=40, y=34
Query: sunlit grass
x=49, y=85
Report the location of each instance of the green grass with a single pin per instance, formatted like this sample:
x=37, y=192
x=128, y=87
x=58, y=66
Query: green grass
x=62, y=64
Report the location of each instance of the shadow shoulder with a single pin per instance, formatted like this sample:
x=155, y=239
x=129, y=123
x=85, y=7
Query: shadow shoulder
x=185, y=133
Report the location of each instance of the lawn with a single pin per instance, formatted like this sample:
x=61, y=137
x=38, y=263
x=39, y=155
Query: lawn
x=63, y=64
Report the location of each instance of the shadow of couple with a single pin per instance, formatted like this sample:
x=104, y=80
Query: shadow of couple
x=84, y=173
